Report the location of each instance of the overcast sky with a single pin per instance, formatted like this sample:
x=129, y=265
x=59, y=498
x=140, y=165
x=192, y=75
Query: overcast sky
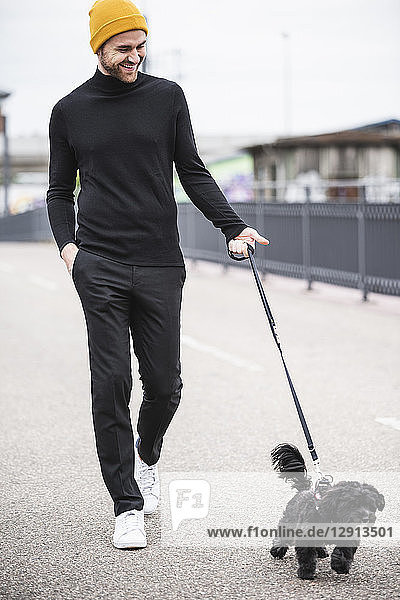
x=229, y=57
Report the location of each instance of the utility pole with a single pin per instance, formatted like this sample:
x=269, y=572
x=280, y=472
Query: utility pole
x=178, y=64
x=6, y=157
x=287, y=84
x=173, y=55
x=147, y=61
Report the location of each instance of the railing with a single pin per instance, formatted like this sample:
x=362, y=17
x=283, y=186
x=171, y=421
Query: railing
x=30, y=226
x=352, y=245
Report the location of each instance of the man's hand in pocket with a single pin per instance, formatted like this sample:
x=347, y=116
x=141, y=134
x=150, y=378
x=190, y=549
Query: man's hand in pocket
x=68, y=255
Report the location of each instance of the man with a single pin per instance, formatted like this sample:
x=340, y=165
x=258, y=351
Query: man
x=123, y=130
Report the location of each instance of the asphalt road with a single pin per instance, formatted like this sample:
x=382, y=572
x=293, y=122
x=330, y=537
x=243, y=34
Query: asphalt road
x=56, y=516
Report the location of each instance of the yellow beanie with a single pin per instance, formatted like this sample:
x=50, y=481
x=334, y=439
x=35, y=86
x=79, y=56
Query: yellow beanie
x=109, y=17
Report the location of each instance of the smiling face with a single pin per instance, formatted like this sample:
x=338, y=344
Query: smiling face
x=121, y=55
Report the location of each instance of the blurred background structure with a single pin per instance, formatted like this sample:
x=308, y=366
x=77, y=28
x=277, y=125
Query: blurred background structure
x=332, y=165
x=5, y=178
x=296, y=123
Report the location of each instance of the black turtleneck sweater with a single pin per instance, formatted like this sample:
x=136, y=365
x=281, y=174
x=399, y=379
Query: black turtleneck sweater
x=124, y=139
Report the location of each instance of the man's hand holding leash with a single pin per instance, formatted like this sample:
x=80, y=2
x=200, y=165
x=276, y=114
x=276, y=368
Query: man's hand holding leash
x=248, y=236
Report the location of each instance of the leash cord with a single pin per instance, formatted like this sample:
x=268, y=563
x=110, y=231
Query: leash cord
x=272, y=325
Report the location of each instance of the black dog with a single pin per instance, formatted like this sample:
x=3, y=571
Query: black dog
x=345, y=502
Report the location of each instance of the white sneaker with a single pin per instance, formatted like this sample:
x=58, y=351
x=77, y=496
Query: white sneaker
x=129, y=530
x=148, y=481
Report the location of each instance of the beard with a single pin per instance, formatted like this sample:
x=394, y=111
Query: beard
x=116, y=70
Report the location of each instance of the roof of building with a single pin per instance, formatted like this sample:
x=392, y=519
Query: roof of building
x=382, y=132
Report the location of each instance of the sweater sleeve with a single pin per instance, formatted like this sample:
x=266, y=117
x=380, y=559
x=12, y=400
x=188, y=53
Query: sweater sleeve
x=196, y=180
x=62, y=180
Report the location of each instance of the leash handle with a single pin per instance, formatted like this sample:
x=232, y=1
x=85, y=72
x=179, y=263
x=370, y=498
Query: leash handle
x=241, y=256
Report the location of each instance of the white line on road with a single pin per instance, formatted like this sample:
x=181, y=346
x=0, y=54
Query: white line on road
x=191, y=342
x=43, y=283
x=389, y=421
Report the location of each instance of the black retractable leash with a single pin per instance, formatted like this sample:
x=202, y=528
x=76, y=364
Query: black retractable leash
x=323, y=481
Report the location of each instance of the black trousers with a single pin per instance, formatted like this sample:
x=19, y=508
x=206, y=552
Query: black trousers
x=118, y=301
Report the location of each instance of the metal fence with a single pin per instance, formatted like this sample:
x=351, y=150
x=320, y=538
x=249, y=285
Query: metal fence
x=354, y=245
x=30, y=226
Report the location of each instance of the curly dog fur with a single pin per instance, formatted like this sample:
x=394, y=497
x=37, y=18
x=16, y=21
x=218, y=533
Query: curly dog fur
x=345, y=502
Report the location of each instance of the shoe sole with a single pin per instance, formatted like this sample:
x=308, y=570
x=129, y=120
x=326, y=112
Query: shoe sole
x=150, y=512
x=127, y=546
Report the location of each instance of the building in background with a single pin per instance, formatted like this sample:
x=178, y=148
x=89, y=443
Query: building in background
x=330, y=166
x=28, y=174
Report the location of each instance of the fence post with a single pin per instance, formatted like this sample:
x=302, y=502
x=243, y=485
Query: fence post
x=191, y=221
x=259, y=220
x=362, y=283
x=306, y=230
x=6, y=168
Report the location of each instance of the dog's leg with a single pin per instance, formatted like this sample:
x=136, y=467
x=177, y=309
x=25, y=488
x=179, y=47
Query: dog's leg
x=307, y=558
x=277, y=550
x=341, y=559
x=322, y=552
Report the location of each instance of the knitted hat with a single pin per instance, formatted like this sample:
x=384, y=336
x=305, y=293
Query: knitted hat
x=109, y=17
